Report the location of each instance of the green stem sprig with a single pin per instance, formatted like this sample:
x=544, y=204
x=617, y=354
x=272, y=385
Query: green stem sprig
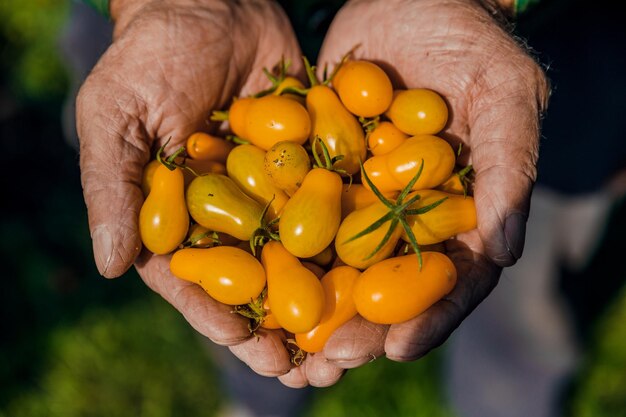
x=264, y=232
x=397, y=214
x=328, y=162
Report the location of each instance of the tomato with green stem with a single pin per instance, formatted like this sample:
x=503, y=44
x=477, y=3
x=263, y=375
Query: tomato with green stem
x=311, y=217
x=394, y=170
x=163, y=218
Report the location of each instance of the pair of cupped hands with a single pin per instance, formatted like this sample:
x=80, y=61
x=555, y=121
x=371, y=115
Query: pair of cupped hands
x=173, y=62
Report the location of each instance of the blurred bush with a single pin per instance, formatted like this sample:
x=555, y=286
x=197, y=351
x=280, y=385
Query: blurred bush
x=30, y=61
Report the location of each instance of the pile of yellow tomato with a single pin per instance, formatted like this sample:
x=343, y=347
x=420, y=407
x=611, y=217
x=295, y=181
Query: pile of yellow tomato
x=326, y=201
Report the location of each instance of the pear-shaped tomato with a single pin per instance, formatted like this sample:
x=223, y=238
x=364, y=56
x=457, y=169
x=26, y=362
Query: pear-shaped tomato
x=163, y=219
x=296, y=296
x=363, y=87
x=287, y=163
x=311, y=217
x=418, y=111
x=359, y=252
x=228, y=274
x=271, y=119
x=456, y=214
x=396, y=289
x=245, y=166
x=148, y=174
x=357, y=196
x=393, y=171
x=336, y=127
x=217, y=203
x=339, y=308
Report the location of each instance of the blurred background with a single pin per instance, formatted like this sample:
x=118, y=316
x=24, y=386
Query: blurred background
x=75, y=344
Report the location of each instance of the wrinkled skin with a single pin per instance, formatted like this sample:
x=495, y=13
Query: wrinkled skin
x=170, y=64
x=165, y=72
x=496, y=94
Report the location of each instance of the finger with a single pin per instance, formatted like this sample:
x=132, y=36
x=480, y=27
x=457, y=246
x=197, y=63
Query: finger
x=209, y=317
x=320, y=372
x=356, y=343
x=113, y=152
x=295, y=378
x=504, y=142
x=477, y=276
x=265, y=353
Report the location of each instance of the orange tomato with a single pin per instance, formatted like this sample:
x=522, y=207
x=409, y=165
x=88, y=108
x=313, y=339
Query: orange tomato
x=418, y=111
x=363, y=87
x=384, y=138
x=271, y=119
x=202, y=167
x=339, y=308
x=293, y=83
x=457, y=214
x=396, y=290
x=163, y=218
x=245, y=166
x=205, y=147
x=393, y=171
x=336, y=127
x=296, y=296
x=311, y=217
x=238, y=114
x=228, y=274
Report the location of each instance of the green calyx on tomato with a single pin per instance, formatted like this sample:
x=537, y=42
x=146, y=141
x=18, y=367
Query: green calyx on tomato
x=264, y=233
x=328, y=162
x=254, y=311
x=397, y=215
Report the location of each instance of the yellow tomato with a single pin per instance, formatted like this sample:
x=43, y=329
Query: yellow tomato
x=163, y=218
x=357, y=196
x=339, y=308
x=457, y=214
x=290, y=82
x=384, y=138
x=245, y=166
x=336, y=127
x=296, y=296
x=287, y=163
x=363, y=87
x=396, y=290
x=228, y=274
x=393, y=171
x=215, y=202
x=271, y=119
x=311, y=217
x=418, y=111
x=148, y=174
x=358, y=252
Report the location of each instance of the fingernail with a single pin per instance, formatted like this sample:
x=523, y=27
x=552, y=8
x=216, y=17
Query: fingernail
x=515, y=233
x=102, y=248
x=351, y=363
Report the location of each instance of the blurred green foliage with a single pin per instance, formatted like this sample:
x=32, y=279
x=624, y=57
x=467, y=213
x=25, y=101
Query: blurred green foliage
x=138, y=360
x=600, y=387
x=31, y=63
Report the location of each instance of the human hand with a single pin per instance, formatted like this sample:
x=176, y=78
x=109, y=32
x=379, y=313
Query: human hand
x=496, y=94
x=170, y=64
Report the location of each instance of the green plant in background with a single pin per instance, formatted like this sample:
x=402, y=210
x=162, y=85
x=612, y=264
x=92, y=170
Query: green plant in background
x=139, y=360
x=600, y=387
x=386, y=388
x=30, y=57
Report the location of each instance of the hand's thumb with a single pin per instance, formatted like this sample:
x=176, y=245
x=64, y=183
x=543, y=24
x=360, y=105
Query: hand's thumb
x=113, y=152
